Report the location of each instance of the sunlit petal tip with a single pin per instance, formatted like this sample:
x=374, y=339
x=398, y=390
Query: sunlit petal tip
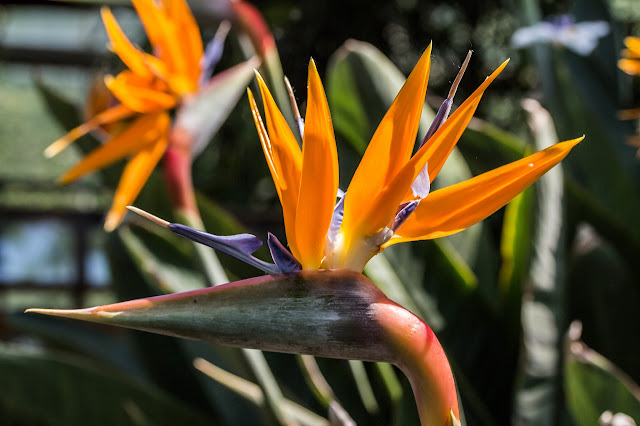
x=149, y=216
x=57, y=147
x=456, y=207
x=65, y=179
x=259, y=77
x=114, y=219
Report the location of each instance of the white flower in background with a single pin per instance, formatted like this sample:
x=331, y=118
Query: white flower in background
x=580, y=38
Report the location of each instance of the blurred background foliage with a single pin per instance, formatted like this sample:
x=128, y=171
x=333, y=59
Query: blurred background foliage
x=501, y=295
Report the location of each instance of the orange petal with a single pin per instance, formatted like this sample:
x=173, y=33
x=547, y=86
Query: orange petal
x=455, y=208
x=164, y=35
x=264, y=139
x=140, y=95
x=189, y=33
x=110, y=115
x=287, y=162
x=630, y=66
x=142, y=132
x=141, y=63
x=379, y=211
x=633, y=44
x=319, y=179
x=391, y=145
x=133, y=178
x=440, y=145
x=121, y=46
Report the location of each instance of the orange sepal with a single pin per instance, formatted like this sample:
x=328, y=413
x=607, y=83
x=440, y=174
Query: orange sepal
x=390, y=146
x=111, y=115
x=286, y=158
x=135, y=175
x=141, y=95
x=457, y=207
x=319, y=177
x=142, y=132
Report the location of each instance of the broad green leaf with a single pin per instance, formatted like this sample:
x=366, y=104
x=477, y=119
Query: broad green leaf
x=538, y=395
x=581, y=93
x=53, y=389
x=594, y=385
x=603, y=295
x=100, y=344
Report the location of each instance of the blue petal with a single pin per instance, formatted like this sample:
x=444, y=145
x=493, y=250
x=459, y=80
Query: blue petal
x=240, y=246
x=281, y=256
x=439, y=119
x=213, y=53
x=406, y=210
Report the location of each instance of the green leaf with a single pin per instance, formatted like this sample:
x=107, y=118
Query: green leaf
x=603, y=294
x=100, y=344
x=68, y=390
x=538, y=395
x=594, y=385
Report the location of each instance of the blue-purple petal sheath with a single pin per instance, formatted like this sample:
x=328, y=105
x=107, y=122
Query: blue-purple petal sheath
x=213, y=53
x=282, y=257
x=440, y=118
x=404, y=214
x=240, y=246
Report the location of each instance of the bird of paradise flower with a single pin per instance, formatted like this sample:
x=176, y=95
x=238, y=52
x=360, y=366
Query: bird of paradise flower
x=147, y=90
x=387, y=202
x=389, y=199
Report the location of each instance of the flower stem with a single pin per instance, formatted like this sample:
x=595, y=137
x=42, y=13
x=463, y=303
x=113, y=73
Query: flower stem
x=423, y=361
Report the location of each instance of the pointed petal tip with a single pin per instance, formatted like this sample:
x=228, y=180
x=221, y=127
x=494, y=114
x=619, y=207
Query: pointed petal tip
x=65, y=313
x=65, y=179
x=56, y=147
x=149, y=216
x=258, y=76
x=112, y=221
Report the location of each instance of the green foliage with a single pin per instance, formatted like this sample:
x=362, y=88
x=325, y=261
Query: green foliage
x=500, y=295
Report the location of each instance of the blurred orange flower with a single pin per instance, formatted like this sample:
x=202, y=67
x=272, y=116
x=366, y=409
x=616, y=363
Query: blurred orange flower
x=151, y=86
x=630, y=63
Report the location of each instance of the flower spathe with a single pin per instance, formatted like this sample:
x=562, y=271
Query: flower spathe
x=382, y=183
x=151, y=85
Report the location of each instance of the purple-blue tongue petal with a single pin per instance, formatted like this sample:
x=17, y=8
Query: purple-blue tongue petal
x=440, y=118
x=336, y=219
x=281, y=256
x=404, y=213
x=240, y=246
x=213, y=53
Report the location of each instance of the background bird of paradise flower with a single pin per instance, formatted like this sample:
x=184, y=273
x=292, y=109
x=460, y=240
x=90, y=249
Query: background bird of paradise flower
x=500, y=295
